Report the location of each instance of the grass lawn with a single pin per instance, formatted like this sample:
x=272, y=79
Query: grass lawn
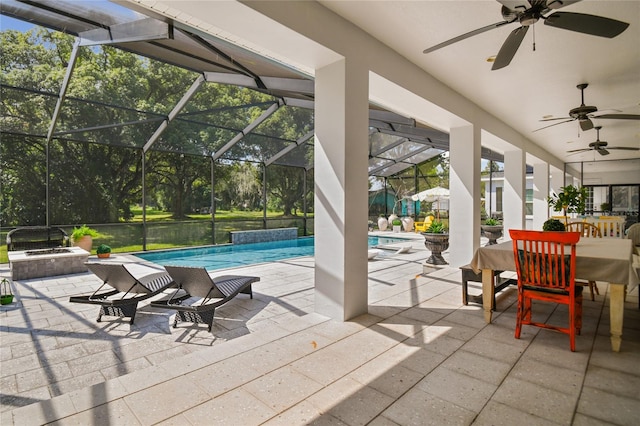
x=120, y=245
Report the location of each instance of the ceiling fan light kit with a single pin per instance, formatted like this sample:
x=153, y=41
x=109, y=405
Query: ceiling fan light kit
x=527, y=13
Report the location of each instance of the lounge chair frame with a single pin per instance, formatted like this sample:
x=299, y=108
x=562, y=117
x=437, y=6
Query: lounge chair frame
x=214, y=292
x=127, y=290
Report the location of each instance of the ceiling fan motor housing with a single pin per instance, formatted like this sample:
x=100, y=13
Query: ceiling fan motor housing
x=582, y=111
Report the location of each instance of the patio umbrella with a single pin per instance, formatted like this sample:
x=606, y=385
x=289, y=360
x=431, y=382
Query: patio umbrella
x=432, y=195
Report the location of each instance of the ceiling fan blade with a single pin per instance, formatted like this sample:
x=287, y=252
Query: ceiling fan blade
x=465, y=36
x=603, y=151
x=586, y=124
x=603, y=112
x=620, y=116
x=579, y=150
x=509, y=48
x=551, y=125
x=626, y=148
x=586, y=24
x=558, y=118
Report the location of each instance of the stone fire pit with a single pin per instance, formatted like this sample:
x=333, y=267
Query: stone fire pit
x=47, y=262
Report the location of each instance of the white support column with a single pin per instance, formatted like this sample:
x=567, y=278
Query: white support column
x=540, y=194
x=341, y=135
x=513, y=197
x=557, y=182
x=464, y=186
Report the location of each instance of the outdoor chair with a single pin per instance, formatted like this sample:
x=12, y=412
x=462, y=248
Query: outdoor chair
x=586, y=230
x=213, y=292
x=545, y=264
x=126, y=287
x=423, y=225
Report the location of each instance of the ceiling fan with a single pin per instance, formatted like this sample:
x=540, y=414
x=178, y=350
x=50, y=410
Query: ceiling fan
x=584, y=114
x=528, y=13
x=602, y=146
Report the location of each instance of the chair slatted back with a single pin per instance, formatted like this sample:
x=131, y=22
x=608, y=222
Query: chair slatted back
x=118, y=277
x=195, y=281
x=545, y=259
x=611, y=227
x=586, y=230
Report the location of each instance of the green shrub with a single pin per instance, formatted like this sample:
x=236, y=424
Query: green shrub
x=396, y=222
x=491, y=222
x=103, y=248
x=553, y=225
x=82, y=231
x=436, y=227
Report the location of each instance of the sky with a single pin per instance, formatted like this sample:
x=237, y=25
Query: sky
x=7, y=23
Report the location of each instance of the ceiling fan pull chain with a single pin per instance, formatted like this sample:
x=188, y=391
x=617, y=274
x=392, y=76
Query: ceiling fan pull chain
x=534, y=38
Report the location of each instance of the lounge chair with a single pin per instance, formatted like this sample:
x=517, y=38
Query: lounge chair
x=214, y=292
x=128, y=286
x=373, y=253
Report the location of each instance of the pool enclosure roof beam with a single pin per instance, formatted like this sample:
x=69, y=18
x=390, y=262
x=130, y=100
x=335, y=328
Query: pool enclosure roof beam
x=266, y=114
x=63, y=89
x=108, y=126
x=401, y=159
x=145, y=29
x=136, y=30
x=304, y=139
x=174, y=112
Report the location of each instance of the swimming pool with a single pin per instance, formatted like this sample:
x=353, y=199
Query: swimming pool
x=230, y=256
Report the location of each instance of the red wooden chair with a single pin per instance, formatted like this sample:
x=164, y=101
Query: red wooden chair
x=545, y=264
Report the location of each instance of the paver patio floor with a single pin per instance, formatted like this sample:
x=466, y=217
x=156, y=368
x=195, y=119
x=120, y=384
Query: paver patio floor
x=418, y=357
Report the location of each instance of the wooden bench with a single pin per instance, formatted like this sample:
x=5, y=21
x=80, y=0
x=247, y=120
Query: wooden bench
x=469, y=275
x=36, y=237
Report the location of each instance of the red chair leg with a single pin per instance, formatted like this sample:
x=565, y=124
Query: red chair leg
x=519, y=314
x=578, y=314
x=572, y=327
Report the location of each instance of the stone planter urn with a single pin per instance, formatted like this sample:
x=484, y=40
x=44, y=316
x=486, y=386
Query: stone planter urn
x=492, y=232
x=407, y=224
x=85, y=243
x=436, y=244
x=382, y=223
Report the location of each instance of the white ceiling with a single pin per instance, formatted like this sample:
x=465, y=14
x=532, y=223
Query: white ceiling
x=537, y=83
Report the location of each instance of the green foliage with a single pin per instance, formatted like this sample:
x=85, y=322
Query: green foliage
x=553, y=225
x=436, y=227
x=396, y=222
x=103, y=248
x=82, y=231
x=571, y=199
x=492, y=222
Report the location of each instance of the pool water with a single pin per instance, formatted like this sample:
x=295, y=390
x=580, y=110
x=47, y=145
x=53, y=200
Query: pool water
x=230, y=256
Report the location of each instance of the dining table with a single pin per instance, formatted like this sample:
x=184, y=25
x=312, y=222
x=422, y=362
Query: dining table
x=597, y=259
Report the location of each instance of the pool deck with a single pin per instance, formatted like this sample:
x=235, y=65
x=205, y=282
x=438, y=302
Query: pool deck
x=418, y=357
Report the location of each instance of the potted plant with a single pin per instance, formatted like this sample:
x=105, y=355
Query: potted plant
x=436, y=240
x=83, y=237
x=605, y=207
x=571, y=199
x=553, y=225
x=492, y=229
x=397, y=224
x=6, y=297
x=103, y=251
